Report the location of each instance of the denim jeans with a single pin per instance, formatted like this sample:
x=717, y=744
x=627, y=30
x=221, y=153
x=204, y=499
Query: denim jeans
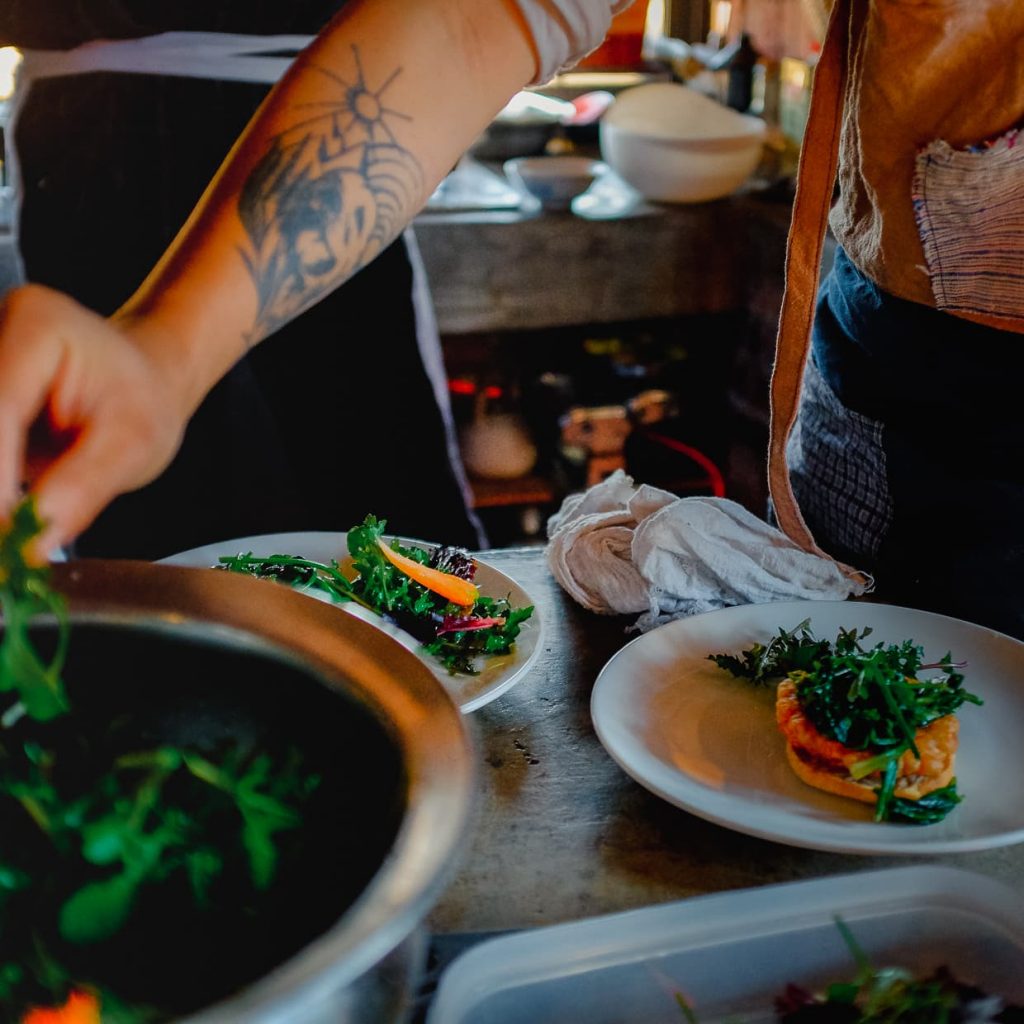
x=943, y=398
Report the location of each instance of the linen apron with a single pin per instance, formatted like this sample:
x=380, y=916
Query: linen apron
x=950, y=468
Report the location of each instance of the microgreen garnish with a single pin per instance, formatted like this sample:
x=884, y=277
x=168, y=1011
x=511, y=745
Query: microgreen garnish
x=868, y=698
x=883, y=995
x=789, y=650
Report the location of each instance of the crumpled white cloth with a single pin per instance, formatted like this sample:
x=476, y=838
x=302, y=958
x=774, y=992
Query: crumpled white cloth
x=618, y=549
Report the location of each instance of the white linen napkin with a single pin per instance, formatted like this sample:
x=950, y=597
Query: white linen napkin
x=618, y=549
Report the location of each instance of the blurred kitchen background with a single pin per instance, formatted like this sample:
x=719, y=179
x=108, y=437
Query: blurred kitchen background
x=606, y=262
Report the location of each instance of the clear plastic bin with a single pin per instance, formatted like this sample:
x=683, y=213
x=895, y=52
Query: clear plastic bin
x=731, y=954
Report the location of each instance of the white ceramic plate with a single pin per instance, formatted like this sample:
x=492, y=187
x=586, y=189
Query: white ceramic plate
x=707, y=742
x=469, y=692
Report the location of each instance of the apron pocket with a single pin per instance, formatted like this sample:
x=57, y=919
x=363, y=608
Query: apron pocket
x=969, y=207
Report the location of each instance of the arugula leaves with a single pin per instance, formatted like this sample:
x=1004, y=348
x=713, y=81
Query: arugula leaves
x=867, y=698
x=927, y=810
x=300, y=573
x=25, y=593
x=421, y=612
x=794, y=650
x=76, y=853
x=873, y=698
x=383, y=589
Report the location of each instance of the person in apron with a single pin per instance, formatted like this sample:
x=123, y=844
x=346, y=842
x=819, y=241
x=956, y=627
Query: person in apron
x=345, y=411
x=335, y=417
x=907, y=457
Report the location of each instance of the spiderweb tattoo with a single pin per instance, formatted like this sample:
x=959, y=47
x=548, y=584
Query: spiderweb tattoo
x=331, y=192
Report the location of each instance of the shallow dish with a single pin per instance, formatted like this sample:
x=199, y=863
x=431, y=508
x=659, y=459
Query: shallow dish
x=554, y=180
x=707, y=742
x=497, y=675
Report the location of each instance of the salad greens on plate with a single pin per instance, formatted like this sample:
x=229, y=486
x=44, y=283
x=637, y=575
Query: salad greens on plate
x=430, y=594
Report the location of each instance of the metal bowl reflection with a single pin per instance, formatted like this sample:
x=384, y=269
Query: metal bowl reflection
x=188, y=655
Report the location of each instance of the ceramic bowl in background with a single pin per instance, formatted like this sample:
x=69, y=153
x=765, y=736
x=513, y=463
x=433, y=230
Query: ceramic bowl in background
x=675, y=145
x=555, y=180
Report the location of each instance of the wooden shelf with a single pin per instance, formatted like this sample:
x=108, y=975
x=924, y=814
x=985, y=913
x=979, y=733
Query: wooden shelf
x=524, y=490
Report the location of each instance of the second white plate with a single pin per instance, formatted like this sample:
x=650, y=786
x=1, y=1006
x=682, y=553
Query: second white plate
x=469, y=692
x=707, y=742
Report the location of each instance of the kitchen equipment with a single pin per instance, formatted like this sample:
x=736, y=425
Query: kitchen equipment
x=554, y=180
x=730, y=954
x=673, y=144
x=496, y=444
x=596, y=436
x=472, y=186
x=523, y=127
x=190, y=655
x=532, y=123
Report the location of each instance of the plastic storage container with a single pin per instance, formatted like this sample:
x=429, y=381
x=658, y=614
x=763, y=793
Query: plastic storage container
x=731, y=954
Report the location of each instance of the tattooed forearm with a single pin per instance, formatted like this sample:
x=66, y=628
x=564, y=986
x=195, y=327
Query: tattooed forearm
x=333, y=190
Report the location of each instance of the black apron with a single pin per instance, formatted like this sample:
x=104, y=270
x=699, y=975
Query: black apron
x=332, y=417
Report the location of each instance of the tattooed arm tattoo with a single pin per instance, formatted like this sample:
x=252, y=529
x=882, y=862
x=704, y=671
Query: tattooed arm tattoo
x=332, y=191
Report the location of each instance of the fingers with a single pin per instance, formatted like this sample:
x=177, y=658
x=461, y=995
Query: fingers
x=72, y=492
x=106, y=415
x=12, y=457
x=118, y=451
x=29, y=361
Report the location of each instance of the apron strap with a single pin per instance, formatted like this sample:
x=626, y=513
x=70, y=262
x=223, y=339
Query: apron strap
x=224, y=56
x=219, y=56
x=819, y=161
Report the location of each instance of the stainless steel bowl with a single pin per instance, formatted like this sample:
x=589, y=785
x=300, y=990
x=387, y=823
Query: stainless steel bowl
x=360, y=968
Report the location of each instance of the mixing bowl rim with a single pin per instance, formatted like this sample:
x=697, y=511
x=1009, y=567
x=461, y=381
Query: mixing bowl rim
x=342, y=651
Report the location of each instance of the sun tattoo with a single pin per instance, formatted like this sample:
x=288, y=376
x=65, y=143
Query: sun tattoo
x=331, y=192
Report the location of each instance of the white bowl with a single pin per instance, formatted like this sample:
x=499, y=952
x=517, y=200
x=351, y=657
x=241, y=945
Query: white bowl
x=675, y=145
x=555, y=180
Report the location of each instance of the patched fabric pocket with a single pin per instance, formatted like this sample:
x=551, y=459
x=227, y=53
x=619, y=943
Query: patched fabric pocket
x=969, y=206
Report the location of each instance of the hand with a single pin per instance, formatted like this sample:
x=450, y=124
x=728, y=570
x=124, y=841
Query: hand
x=88, y=410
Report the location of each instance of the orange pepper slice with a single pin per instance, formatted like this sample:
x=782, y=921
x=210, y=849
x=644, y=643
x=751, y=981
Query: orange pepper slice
x=81, y=1008
x=455, y=588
